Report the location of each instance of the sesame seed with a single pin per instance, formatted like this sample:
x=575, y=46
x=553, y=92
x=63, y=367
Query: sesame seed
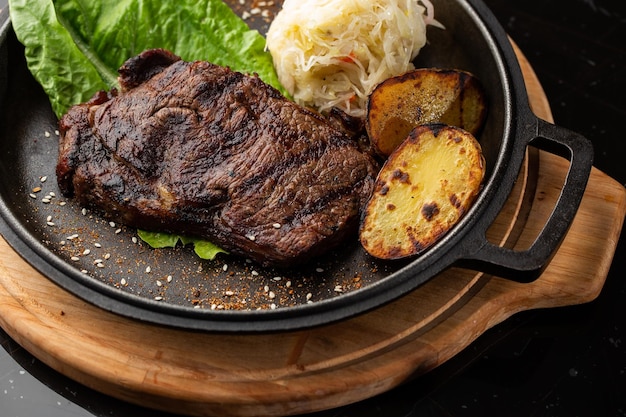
x=71, y=237
x=62, y=203
x=112, y=224
x=86, y=252
x=32, y=195
x=100, y=265
x=56, y=132
x=148, y=269
x=43, y=179
x=251, y=237
x=49, y=218
x=254, y=273
x=46, y=134
x=118, y=231
x=134, y=239
x=276, y=279
x=36, y=189
x=97, y=245
x=273, y=306
x=266, y=288
x=52, y=194
x=158, y=298
x=229, y=293
x=225, y=268
x=169, y=278
x=123, y=281
x=271, y=295
x=50, y=224
x=97, y=261
x=319, y=269
x=338, y=288
x=84, y=211
x=75, y=258
x=288, y=284
x=45, y=200
x=107, y=256
x=276, y=225
x=159, y=283
x=309, y=296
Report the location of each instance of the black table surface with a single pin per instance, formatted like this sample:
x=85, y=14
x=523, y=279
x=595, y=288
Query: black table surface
x=568, y=361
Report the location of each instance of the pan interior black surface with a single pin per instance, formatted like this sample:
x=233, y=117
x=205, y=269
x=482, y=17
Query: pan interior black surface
x=106, y=264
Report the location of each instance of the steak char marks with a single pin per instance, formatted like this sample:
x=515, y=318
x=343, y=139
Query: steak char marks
x=197, y=149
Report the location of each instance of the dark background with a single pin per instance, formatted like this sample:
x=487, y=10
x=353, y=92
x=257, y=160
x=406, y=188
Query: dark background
x=559, y=362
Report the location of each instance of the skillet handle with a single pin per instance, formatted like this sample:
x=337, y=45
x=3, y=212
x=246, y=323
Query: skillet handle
x=527, y=265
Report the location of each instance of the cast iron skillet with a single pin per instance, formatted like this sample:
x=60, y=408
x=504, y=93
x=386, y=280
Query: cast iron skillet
x=99, y=262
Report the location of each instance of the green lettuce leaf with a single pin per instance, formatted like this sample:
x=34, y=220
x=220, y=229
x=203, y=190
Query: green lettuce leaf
x=74, y=47
x=202, y=248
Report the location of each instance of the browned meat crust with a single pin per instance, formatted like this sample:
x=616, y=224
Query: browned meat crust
x=197, y=149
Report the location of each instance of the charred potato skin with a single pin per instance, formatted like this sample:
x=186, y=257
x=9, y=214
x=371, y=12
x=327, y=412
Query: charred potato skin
x=408, y=212
x=429, y=95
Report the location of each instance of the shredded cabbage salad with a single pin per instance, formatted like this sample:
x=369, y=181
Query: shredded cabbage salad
x=332, y=53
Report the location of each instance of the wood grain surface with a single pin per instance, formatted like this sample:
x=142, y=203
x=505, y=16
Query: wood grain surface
x=203, y=374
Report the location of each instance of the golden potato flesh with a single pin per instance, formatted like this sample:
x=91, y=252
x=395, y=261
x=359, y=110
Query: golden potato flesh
x=426, y=185
x=422, y=96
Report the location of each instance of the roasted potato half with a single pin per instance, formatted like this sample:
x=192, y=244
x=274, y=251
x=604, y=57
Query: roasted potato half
x=426, y=185
x=429, y=95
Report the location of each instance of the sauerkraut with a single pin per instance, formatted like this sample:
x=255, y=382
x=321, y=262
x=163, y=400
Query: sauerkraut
x=332, y=53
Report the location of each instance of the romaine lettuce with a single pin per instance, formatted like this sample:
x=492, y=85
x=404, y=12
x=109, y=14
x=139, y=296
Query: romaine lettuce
x=202, y=248
x=74, y=47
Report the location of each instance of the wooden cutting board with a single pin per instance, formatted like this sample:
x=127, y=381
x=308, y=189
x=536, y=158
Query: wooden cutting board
x=297, y=372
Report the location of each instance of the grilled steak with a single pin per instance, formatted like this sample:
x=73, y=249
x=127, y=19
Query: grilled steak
x=197, y=149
